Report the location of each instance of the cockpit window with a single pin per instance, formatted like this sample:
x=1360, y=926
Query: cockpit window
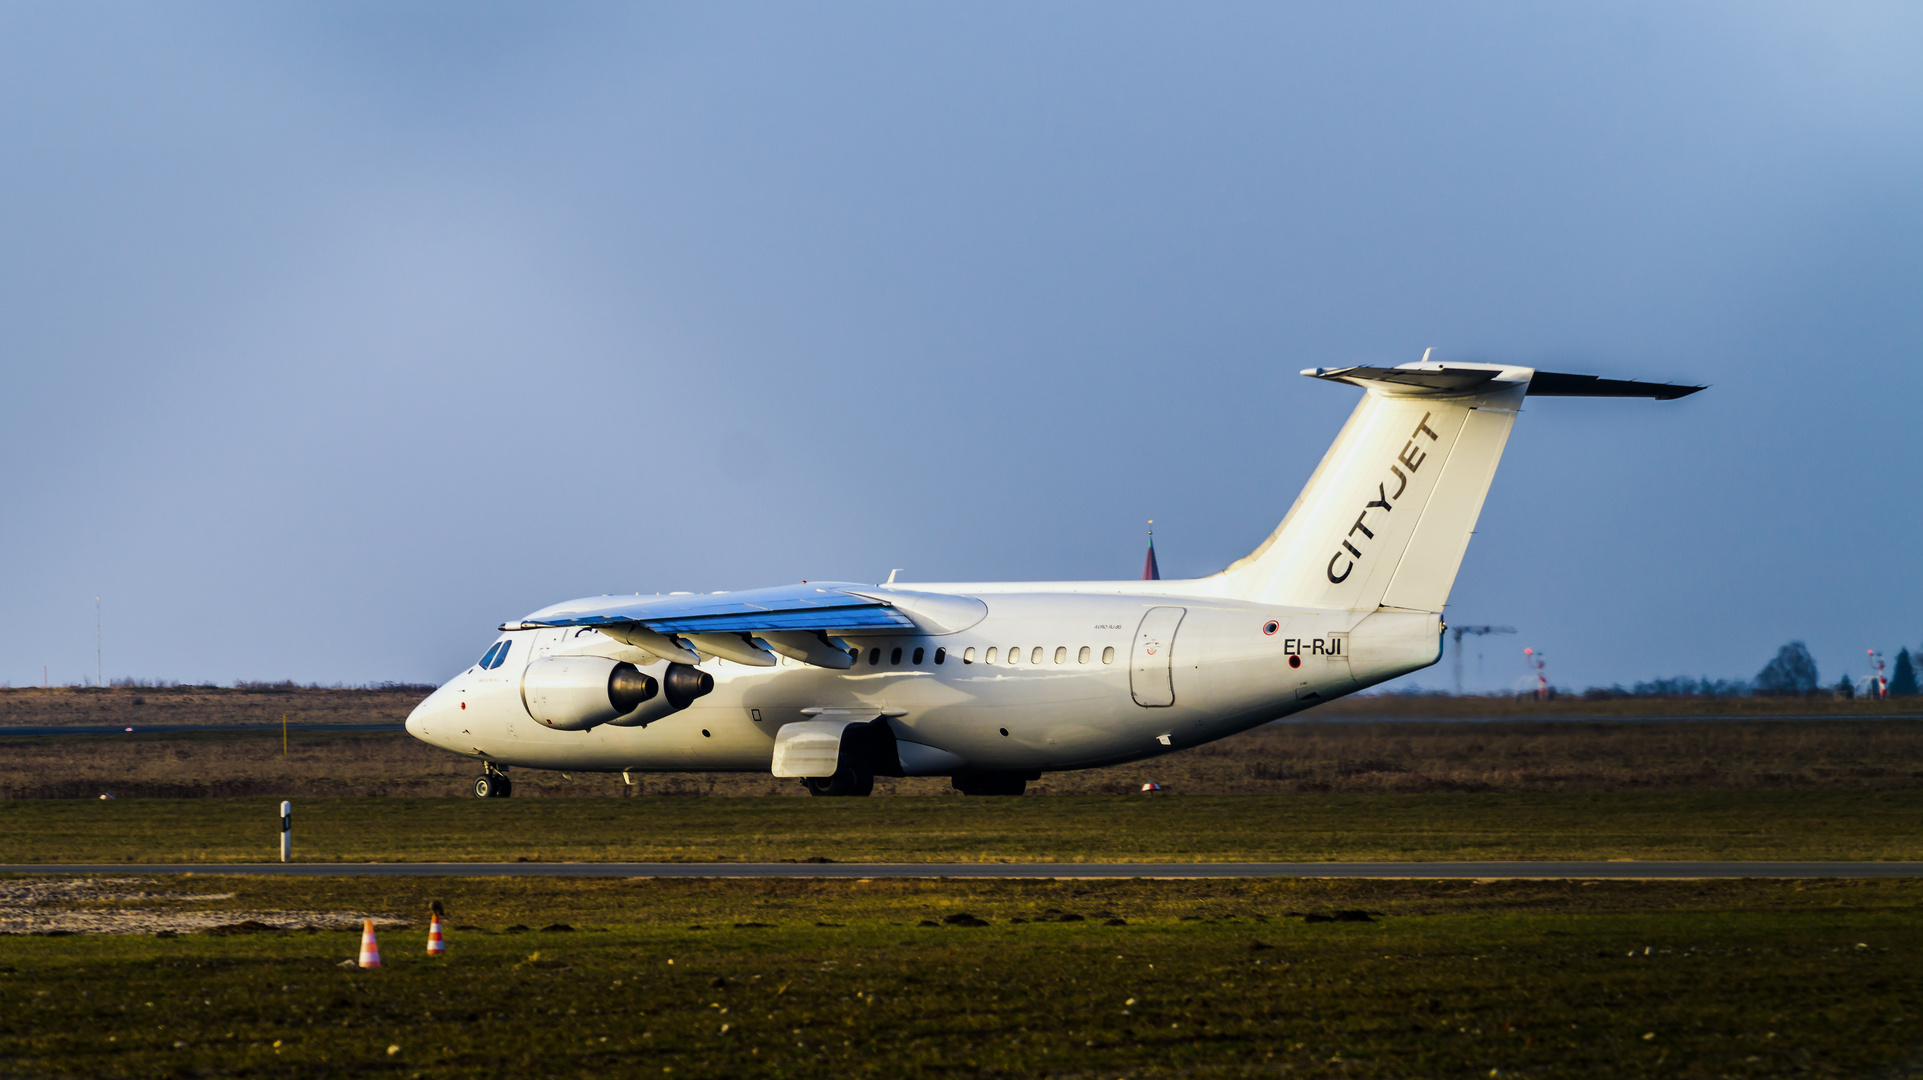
x=497, y=655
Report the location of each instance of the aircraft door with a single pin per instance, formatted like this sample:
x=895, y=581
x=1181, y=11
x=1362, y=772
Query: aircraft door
x=1150, y=673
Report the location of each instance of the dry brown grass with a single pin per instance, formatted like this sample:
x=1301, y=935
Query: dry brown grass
x=1359, y=756
x=1533, y=755
x=209, y=706
x=213, y=706
x=1575, y=706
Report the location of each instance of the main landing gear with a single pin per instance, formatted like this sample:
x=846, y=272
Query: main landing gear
x=866, y=749
x=494, y=783
x=849, y=779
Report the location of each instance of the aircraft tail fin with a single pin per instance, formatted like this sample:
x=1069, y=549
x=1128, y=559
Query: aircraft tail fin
x=1386, y=517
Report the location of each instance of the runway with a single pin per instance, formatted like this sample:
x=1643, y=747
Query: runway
x=1520, y=871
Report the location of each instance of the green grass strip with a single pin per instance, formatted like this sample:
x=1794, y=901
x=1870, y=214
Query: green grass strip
x=1204, y=979
x=1730, y=825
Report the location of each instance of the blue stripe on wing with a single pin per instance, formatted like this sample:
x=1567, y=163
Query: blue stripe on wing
x=786, y=607
x=845, y=618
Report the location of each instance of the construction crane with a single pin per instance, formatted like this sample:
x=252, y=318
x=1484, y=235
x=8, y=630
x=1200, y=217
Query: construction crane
x=1478, y=631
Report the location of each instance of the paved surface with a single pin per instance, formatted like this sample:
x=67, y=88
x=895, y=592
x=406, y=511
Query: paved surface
x=1516, y=870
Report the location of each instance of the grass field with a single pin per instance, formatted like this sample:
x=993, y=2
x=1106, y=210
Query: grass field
x=139, y=706
x=1349, y=756
x=264, y=704
x=1809, y=825
x=797, y=978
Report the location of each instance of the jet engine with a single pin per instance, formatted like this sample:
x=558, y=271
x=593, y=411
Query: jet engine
x=574, y=693
x=680, y=685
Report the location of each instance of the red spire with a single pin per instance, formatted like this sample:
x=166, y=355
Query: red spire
x=1151, y=571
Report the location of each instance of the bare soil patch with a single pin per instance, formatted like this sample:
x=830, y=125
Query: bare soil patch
x=125, y=905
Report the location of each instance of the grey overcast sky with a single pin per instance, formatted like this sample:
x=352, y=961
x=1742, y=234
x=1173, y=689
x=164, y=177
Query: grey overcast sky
x=335, y=334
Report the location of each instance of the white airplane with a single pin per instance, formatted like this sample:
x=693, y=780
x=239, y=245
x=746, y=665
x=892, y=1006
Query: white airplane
x=994, y=684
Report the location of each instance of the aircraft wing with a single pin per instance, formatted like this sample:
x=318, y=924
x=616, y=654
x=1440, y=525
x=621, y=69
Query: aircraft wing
x=825, y=607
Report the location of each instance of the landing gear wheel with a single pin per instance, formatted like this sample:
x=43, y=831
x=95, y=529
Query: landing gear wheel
x=990, y=783
x=847, y=780
x=492, y=785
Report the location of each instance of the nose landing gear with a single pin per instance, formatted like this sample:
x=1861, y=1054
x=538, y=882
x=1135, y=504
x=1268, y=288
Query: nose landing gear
x=494, y=783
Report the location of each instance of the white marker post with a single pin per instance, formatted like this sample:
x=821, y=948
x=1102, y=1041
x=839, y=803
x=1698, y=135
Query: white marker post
x=286, y=831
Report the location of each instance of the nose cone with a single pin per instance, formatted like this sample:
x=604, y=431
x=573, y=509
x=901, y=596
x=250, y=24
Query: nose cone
x=420, y=722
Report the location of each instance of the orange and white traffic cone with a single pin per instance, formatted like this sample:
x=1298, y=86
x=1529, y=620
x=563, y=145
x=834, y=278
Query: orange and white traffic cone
x=370, y=949
x=436, y=945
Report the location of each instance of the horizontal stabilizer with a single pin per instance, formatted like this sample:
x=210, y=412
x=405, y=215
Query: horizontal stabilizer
x=1468, y=378
x=1557, y=384
x=1438, y=378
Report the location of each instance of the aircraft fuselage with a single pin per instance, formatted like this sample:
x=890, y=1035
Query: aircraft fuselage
x=1042, y=682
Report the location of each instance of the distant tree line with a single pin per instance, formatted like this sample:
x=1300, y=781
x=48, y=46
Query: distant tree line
x=1679, y=686
x=1792, y=672
x=1903, y=678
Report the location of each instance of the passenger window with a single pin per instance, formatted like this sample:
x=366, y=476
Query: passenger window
x=990, y=658
x=968, y=655
x=1014, y=655
x=1108, y=655
x=1082, y=657
x=501, y=657
x=874, y=657
x=940, y=655
x=916, y=659
x=1036, y=656
x=895, y=656
x=1061, y=654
